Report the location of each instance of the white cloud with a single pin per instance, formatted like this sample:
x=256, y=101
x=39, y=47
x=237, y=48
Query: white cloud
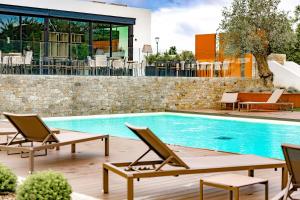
x=178, y=26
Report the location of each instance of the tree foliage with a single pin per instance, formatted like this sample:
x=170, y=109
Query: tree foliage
x=293, y=51
x=173, y=50
x=257, y=27
x=171, y=55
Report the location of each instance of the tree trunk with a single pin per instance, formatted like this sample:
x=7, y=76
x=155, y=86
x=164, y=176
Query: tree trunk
x=264, y=71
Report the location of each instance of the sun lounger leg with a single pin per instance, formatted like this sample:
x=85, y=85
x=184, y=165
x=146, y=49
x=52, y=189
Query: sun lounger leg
x=105, y=181
x=201, y=190
x=106, y=141
x=251, y=173
x=73, y=148
x=31, y=162
x=266, y=191
x=130, y=190
x=230, y=195
x=284, y=177
x=236, y=194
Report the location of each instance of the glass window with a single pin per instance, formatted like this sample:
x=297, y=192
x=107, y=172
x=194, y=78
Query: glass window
x=58, y=38
x=33, y=35
x=79, y=40
x=9, y=33
x=120, y=41
x=101, y=39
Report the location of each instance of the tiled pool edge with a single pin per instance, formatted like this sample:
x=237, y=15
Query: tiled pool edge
x=221, y=116
x=228, y=114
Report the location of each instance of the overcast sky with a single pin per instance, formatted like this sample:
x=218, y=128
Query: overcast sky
x=177, y=21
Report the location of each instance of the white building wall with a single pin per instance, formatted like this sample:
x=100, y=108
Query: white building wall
x=285, y=75
x=142, y=28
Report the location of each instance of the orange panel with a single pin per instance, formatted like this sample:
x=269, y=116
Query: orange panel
x=248, y=65
x=205, y=51
x=205, y=47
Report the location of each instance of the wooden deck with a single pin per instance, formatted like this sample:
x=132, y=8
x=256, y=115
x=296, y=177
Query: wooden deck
x=84, y=172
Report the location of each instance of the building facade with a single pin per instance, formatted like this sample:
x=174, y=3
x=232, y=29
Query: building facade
x=73, y=29
x=209, y=50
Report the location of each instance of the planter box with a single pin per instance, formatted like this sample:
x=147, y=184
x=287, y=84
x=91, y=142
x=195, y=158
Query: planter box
x=249, y=96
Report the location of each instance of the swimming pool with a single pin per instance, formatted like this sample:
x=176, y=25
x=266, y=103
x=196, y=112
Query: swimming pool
x=230, y=134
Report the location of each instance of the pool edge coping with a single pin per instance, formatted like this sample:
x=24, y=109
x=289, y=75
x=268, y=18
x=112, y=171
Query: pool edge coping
x=234, y=115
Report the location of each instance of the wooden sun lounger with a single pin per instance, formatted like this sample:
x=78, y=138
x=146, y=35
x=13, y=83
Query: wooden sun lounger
x=171, y=165
x=273, y=100
x=292, y=156
x=229, y=98
x=33, y=130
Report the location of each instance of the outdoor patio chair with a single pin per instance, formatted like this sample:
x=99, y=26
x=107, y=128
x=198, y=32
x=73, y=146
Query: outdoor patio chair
x=27, y=62
x=229, y=98
x=273, y=100
x=217, y=69
x=118, y=67
x=171, y=164
x=91, y=63
x=292, y=157
x=41, y=138
x=225, y=68
x=1, y=63
x=101, y=65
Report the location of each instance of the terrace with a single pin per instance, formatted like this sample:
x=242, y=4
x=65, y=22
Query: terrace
x=87, y=164
x=76, y=66
x=88, y=160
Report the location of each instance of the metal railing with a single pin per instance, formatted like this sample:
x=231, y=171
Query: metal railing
x=58, y=58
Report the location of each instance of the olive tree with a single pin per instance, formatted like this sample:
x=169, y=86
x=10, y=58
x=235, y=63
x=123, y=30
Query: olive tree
x=257, y=27
x=294, y=49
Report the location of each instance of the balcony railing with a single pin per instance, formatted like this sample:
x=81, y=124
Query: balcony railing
x=40, y=58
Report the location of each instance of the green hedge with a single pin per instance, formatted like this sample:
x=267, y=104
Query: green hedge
x=46, y=185
x=8, y=180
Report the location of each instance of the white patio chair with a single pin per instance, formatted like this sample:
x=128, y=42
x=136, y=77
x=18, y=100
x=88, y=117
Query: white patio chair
x=101, y=63
x=225, y=67
x=91, y=64
x=203, y=67
x=27, y=61
x=1, y=62
x=118, y=66
x=143, y=68
x=217, y=68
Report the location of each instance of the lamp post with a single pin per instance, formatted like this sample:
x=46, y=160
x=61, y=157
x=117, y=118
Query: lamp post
x=156, y=40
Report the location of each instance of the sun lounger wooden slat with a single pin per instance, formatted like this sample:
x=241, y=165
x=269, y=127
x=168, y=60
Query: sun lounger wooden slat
x=12, y=131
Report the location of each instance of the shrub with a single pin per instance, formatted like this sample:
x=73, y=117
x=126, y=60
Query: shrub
x=46, y=185
x=8, y=180
x=292, y=90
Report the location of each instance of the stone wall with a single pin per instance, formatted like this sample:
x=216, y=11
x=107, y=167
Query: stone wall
x=75, y=95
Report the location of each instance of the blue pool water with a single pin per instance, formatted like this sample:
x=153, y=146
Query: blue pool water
x=245, y=136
